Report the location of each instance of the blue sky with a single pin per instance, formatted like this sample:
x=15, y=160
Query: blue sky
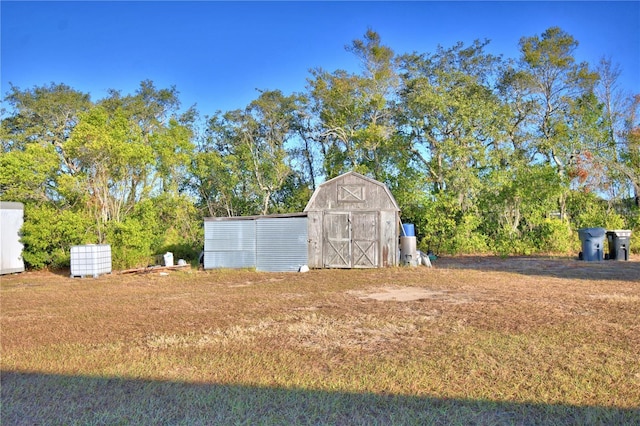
x=218, y=53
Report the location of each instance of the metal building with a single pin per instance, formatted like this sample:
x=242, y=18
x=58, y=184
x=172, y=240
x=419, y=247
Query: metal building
x=275, y=243
x=11, y=220
x=353, y=222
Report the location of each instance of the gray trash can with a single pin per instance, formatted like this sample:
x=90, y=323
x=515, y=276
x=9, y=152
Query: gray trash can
x=619, y=241
x=592, y=244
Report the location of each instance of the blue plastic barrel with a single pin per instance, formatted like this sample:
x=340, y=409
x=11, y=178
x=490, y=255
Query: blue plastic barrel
x=409, y=230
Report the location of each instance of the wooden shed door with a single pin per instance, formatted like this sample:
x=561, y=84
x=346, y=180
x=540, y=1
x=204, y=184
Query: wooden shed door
x=350, y=240
x=364, y=239
x=337, y=240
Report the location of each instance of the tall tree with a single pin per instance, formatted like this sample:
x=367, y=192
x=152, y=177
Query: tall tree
x=355, y=127
x=555, y=81
x=452, y=116
x=95, y=163
x=110, y=154
x=173, y=150
x=452, y=119
x=36, y=170
x=620, y=152
x=34, y=131
x=248, y=150
x=43, y=114
x=557, y=87
x=155, y=113
x=630, y=156
x=305, y=154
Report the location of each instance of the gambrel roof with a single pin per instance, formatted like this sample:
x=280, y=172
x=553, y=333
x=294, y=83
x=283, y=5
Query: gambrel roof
x=352, y=191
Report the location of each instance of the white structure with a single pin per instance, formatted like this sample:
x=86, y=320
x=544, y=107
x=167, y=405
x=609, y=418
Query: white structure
x=90, y=260
x=11, y=220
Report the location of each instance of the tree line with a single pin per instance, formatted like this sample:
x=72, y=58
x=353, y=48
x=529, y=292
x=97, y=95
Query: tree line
x=483, y=153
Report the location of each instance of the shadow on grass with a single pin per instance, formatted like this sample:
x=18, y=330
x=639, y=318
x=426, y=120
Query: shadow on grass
x=43, y=399
x=557, y=267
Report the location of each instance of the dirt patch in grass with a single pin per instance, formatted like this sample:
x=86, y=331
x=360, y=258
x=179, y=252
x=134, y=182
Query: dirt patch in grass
x=409, y=294
x=473, y=339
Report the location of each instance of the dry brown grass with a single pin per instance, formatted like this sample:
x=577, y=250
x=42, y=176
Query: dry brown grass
x=472, y=341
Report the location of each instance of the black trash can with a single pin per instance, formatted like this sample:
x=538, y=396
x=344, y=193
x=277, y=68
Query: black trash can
x=592, y=244
x=619, y=241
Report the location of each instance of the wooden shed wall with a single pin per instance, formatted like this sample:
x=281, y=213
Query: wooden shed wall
x=353, y=223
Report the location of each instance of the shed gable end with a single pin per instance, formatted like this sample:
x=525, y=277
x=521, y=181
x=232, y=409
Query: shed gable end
x=351, y=191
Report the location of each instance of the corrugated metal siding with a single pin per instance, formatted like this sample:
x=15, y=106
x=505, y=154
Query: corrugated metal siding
x=229, y=259
x=282, y=244
x=230, y=235
x=230, y=244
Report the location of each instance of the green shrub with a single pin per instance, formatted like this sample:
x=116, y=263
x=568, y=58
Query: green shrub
x=48, y=234
x=587, y=210
x=555, y=236
x=467, y=239
x=507, y=242
x=131, y=242
x=634, y=225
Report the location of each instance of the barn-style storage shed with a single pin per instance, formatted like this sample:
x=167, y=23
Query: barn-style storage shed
x=353, y=222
